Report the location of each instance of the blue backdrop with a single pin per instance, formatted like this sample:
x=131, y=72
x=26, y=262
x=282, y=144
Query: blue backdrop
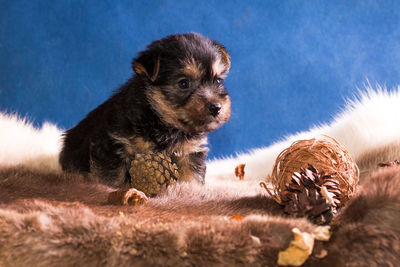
x=293, y=62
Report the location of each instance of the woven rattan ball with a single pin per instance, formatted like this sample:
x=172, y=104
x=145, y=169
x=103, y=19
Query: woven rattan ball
x=326, y=155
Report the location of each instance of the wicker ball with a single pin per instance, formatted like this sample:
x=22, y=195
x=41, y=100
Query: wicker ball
x=326, y=155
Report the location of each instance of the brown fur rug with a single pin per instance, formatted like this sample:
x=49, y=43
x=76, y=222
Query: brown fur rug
x=64, y=220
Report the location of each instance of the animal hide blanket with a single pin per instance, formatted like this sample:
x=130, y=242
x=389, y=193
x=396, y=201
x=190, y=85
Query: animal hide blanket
x=63, y=220
x=50, y=218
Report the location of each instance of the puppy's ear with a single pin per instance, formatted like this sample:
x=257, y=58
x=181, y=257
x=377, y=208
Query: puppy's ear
x=225, y=58
x=147, y=65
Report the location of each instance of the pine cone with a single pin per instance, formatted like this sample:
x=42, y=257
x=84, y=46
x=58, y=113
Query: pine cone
x=151, y=172
x=312, y=194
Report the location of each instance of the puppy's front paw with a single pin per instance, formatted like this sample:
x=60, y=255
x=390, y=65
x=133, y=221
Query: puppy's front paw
x=130, y=196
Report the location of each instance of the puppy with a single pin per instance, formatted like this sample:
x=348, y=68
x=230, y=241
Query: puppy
x=175, y=97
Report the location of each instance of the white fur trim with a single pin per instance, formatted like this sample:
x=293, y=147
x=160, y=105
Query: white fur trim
x=23, y=144
x=370, y=121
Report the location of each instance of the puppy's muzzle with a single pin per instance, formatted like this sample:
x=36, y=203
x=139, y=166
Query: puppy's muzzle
x=214, y=109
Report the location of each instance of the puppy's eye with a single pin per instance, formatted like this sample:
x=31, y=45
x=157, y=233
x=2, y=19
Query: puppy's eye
x=184, y=83
x=219, y=81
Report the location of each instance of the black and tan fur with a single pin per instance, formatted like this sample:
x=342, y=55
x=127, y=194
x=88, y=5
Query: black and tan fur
x=174, y=98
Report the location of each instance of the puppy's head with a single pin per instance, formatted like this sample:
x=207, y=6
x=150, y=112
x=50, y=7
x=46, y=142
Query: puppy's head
x=184, y=76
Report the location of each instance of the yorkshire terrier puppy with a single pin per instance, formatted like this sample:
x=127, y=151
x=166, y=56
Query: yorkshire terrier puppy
x=175, y=97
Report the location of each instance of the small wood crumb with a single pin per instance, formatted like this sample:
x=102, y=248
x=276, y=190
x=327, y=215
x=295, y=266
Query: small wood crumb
x=237, y=217
x=256, y=240
x=239, y=171
x=322, y=254
x=322, y=233
x=299, y=249
x=130, y=197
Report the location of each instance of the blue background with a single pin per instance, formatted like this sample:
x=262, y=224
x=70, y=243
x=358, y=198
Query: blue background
x=293, y=62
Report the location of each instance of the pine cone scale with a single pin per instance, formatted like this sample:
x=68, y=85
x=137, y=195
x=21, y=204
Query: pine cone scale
x=151, y=172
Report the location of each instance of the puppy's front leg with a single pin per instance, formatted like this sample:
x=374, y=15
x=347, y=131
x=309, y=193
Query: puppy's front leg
x=192, y=167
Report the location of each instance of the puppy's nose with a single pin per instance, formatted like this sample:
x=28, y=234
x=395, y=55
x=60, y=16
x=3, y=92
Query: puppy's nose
x=214, y=108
